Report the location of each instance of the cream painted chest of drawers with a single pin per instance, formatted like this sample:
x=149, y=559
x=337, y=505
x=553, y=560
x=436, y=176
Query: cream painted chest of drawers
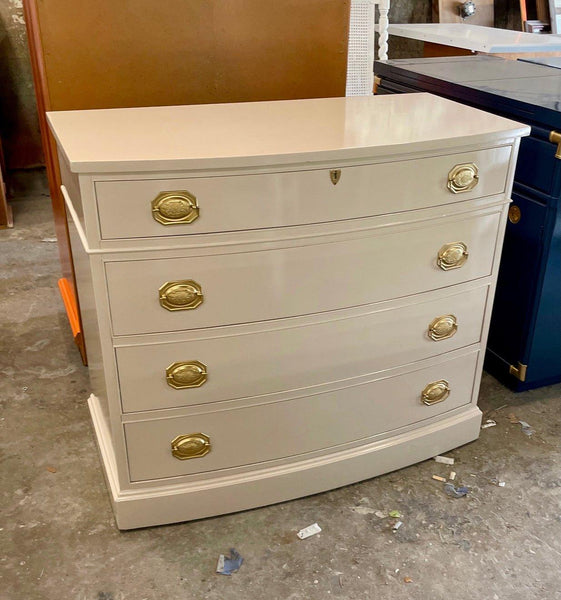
x=280, y=298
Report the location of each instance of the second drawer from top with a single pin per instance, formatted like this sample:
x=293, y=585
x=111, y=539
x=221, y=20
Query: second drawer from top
x=165, y=295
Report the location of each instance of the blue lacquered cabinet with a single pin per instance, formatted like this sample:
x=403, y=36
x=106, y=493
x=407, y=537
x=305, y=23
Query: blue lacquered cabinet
x=524, y=347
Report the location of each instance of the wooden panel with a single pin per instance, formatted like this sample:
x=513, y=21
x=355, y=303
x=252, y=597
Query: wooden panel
x=431, y=50
x=145, y=53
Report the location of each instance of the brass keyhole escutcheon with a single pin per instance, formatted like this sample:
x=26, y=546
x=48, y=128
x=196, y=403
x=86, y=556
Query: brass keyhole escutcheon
x=186, y=374
x=435, y=392
x=443, y=328
x=452, y=256
x=181, y=295
x=335, y=176
x=192, y=445
x=514, y=214
x=463, y=178
x=174, y=208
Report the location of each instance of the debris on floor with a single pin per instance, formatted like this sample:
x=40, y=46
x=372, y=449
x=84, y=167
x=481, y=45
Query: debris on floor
x=527, y=428
x=455, y=492
x=407, y=580
x=380, y=514
x=444, y=460
x=489, y=423
x=229, y=564
x=452, y=475
x=492, y=414
x=496, y=481
x=49, y=240
x=395, y=514
x=309, y=531
x=397, y=526
x=439, y=478
x=51, y=469
x=364, y=510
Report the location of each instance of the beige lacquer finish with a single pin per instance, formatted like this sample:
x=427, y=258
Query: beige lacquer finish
x=281, y=298
x=257, y=133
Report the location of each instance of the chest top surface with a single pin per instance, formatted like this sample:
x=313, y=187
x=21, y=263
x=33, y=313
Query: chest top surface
x=253, y=134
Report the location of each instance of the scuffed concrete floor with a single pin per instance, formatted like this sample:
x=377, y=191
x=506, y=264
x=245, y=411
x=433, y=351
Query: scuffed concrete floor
x=59, y=541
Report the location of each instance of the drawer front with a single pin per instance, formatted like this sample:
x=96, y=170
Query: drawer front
x=271, y=284
x=292, y=357
x=140, y=208
x=266, y=432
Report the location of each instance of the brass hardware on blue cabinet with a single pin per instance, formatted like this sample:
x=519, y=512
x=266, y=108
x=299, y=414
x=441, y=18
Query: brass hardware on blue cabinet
x=555, y=137
x=518, y=371
x=514, y=214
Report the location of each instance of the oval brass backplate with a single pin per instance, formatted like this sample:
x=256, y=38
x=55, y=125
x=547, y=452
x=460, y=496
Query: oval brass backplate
x=174, y=208
x=463, y=178
x=443, y=327
x=180, y=295
x=191, y=445
x=452, y=256
x=435, y=392
x=186, y=374
x=514, y=214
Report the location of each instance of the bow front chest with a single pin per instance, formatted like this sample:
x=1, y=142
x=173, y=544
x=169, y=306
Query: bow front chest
x=281, y=298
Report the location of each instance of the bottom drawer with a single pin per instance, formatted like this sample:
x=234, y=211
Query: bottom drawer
x=265, y=432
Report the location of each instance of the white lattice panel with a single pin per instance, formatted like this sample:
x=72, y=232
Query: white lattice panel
x=360, y=61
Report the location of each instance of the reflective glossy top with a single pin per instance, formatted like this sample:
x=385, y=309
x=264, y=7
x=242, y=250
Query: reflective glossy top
x=268, y=133
x=520, y=81
x=477, y=37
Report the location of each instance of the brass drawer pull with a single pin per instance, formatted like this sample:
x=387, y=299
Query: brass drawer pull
x=182, y=375
x=443, y=327
x=192, y=445
x=452, y=256
x=463, y=178
x=181, y=295
x=172, y=208
x=435, y=392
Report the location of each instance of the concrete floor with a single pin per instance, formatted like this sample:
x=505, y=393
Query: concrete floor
x=59, y=540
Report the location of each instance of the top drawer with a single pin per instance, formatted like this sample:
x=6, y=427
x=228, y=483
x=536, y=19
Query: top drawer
x=170, y=207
